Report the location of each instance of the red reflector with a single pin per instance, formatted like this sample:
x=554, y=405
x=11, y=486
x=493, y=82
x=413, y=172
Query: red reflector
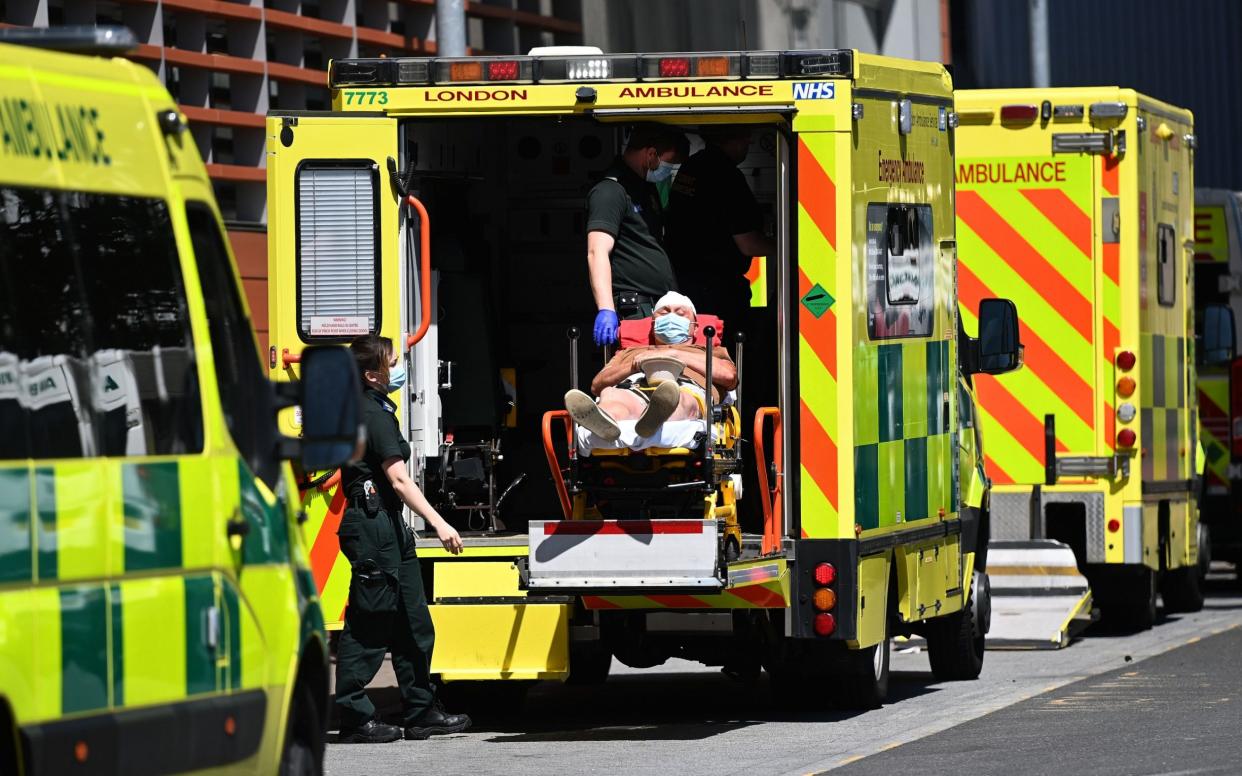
x=674, y=68
x=1126, y=438
x=825, y=624
x=1019, y=112
x=1125, y=360
x=502, y=71
x=825, y=574
x=1114, y=525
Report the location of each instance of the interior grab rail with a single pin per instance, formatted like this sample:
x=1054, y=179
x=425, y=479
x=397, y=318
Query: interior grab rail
x=772, y=498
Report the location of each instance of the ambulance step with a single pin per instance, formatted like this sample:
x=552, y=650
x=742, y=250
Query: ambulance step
x=1039, y=598
x=623, y=556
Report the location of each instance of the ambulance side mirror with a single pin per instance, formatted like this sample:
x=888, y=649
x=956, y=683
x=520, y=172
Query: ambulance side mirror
x=998, y=349
x=1218, y=342
x=332, y=431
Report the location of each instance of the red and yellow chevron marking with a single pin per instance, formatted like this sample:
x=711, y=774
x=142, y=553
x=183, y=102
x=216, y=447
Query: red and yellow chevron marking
x=768, y=588
x=817, y=335
x=1214, y=427
x=329, y=567
x=1033, y=244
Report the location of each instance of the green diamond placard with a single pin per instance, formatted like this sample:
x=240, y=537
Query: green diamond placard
x=817, y=300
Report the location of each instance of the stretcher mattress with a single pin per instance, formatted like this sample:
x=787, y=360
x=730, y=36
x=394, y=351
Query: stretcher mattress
x=674, y=433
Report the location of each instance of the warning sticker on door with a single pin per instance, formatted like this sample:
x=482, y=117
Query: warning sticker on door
x=338, y=325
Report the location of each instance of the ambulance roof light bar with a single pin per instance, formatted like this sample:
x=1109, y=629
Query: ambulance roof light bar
x=77, y=39
x=582, y=64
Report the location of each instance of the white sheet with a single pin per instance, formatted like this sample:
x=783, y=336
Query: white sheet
x=674, y=433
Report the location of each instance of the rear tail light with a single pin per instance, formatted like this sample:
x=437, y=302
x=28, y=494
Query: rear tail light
x=1114, y=525
x=502, y=71
x=825, y=624
x=1019, y=112
x=674, y=68
x=824, y=599
x=825, y=574
x=1125, y=360
x=1126, y=438
x=485, y=70
x=691, y=66
x=1125, y=387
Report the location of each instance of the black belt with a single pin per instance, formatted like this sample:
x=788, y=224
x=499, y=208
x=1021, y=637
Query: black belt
x=633, y=299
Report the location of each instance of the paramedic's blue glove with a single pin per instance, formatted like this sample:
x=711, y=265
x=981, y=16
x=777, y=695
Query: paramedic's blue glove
x=606, y=324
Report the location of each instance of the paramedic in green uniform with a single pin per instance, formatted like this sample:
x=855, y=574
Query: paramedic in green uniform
x=387, y=609
x=625, y=229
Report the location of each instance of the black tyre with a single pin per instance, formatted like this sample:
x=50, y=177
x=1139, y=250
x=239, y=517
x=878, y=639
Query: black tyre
x=862, y=681
x=1205, y=550
x=1137, y=611
x=304, y=739
x=955, y=642
x=589, y=663
x=1182, y=590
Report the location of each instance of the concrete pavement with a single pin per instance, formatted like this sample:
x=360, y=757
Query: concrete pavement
x=687, y=719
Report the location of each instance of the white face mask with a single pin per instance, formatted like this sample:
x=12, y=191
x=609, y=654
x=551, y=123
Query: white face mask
x=662, y=173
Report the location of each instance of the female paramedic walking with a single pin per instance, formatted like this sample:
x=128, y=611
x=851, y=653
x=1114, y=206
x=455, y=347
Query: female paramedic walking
x=387, y=609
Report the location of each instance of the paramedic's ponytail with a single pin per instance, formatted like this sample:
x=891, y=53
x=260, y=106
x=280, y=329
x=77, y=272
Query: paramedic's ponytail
x=371, y=352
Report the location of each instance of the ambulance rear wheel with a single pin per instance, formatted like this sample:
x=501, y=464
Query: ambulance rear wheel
x=1182, y=590
x=589, y=663
x=1132, y=601
x=862, y=677
x=955, y=642
x=304, y=738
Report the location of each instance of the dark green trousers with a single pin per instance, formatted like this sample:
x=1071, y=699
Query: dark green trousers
x=407, y=632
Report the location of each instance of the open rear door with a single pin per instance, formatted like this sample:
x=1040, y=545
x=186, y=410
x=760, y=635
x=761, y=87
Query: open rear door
x=333, y=273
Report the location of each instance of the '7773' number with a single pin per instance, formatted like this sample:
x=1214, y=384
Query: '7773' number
x=366, y=98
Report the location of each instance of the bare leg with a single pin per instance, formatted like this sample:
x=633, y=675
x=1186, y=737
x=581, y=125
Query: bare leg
x=687, y=408
x=621, y=404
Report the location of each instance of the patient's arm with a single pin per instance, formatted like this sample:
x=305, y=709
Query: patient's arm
x=724, y=372
x=620, y=367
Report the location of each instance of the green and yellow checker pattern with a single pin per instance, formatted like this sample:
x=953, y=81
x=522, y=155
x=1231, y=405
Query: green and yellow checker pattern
x=902, y=434
x=1163, y=414
x=119, y=589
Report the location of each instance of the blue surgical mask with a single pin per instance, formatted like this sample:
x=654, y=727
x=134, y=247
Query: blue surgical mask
x=672, y=329
x=662, y=173
x=396, y=377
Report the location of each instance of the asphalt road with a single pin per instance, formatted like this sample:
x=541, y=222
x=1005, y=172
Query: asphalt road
x=1160, y=701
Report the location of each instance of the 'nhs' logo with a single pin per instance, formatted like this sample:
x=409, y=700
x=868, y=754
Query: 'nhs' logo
x=819, y=91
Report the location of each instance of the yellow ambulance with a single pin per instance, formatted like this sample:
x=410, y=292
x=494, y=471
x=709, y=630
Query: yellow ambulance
x=157, y=614
x=441, y=202
x=1218, y=308
x=1077, y=204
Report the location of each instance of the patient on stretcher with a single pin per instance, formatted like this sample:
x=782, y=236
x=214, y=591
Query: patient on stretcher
x=652, y=384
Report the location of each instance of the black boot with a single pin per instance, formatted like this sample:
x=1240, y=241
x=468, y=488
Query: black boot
x=434, y=722
x=373, y=732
